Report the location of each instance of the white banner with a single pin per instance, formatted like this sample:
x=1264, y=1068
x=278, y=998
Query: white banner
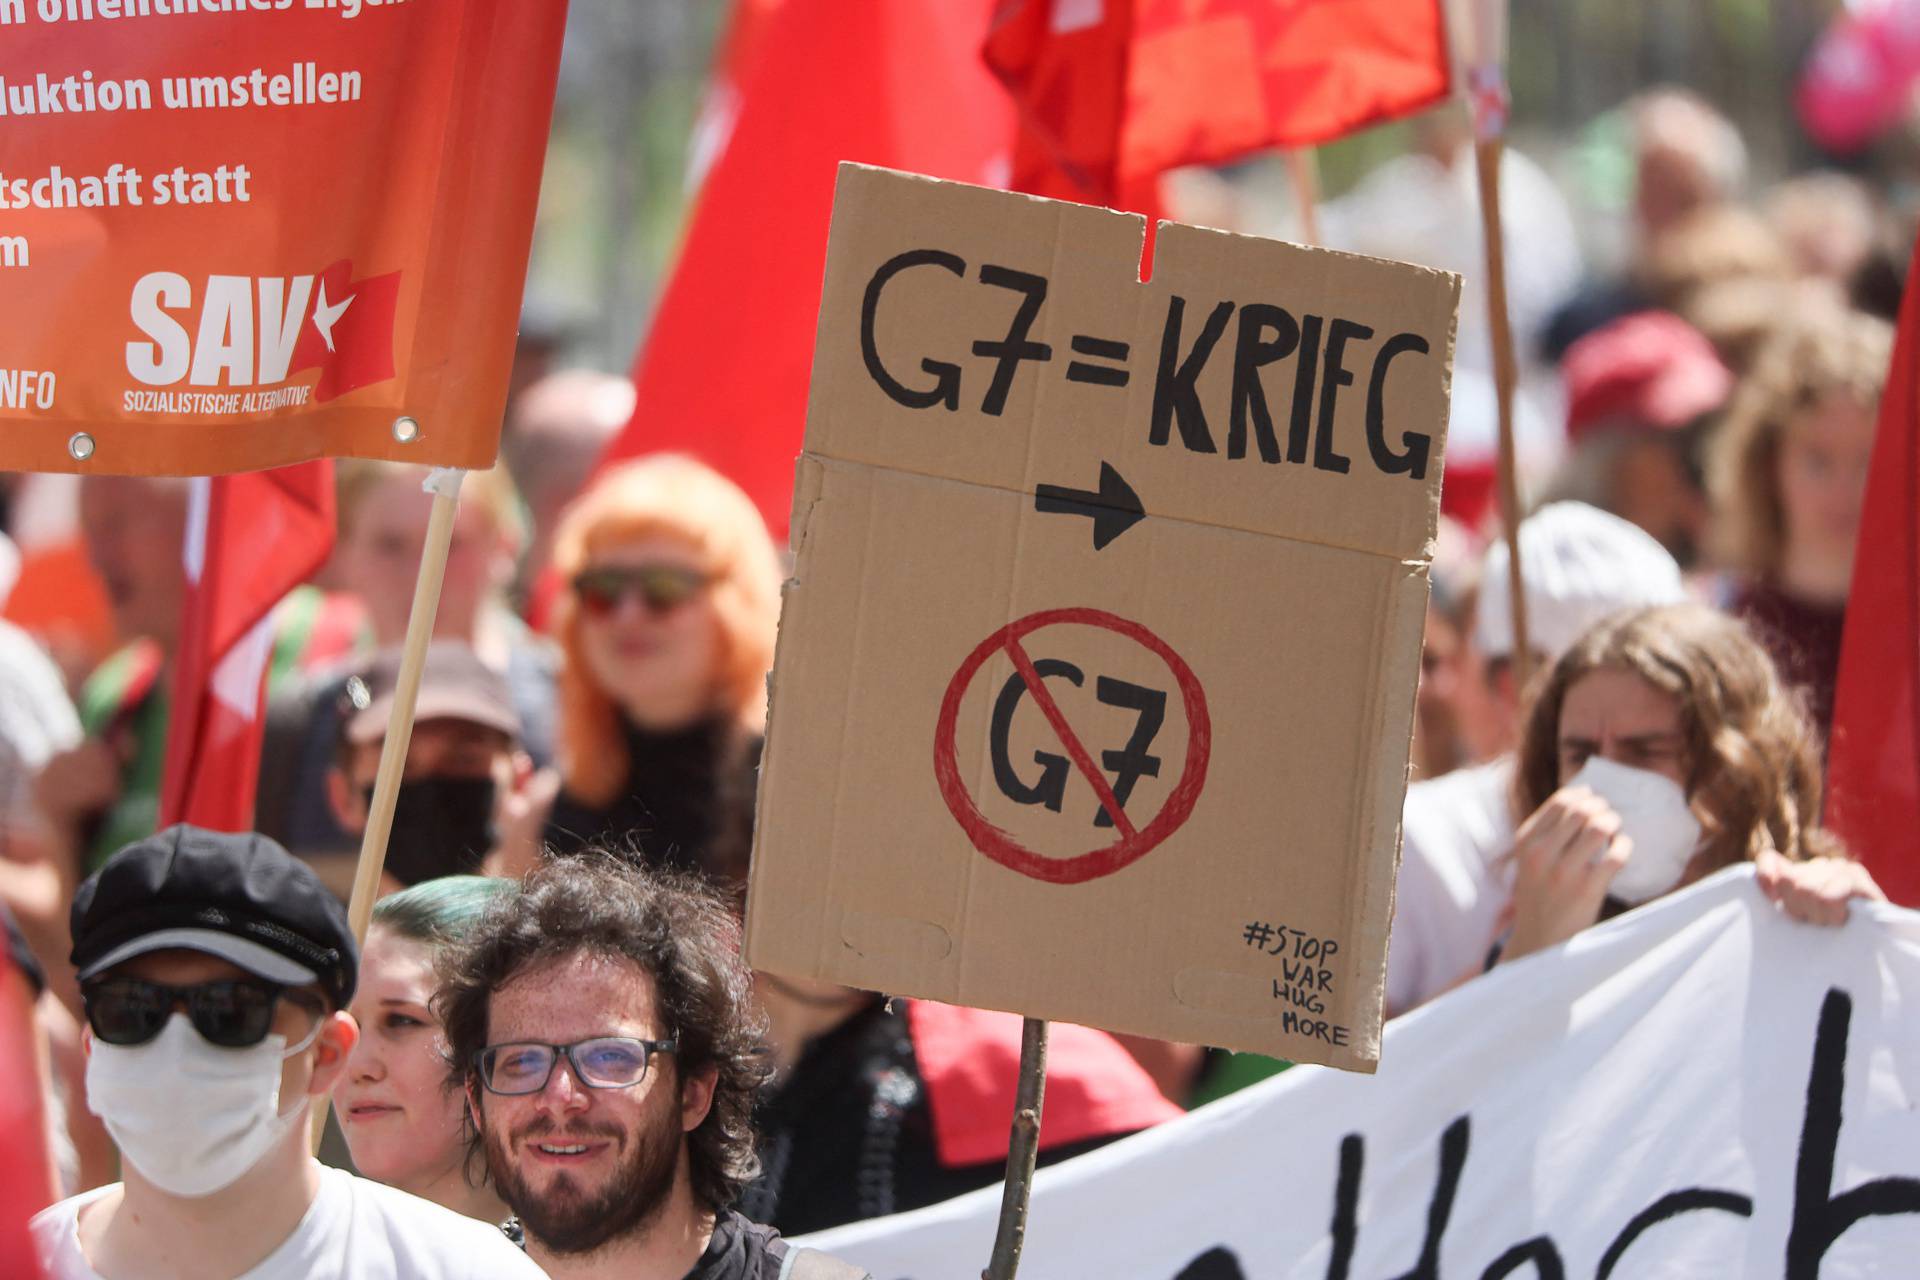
x=1702, y=1088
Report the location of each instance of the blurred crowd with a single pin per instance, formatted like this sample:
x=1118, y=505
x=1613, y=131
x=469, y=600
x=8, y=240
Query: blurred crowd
x=1694, y=435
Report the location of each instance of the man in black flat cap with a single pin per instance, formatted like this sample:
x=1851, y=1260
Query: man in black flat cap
x=215, y=970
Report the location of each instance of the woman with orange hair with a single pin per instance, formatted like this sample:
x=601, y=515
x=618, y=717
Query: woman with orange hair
x=666, y=623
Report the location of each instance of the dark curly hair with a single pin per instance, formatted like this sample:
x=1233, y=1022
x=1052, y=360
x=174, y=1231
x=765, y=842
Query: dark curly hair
x=1752, y=756
x=674, y=925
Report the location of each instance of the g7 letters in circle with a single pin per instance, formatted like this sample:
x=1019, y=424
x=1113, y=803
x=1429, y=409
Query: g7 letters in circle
x=1126, y=763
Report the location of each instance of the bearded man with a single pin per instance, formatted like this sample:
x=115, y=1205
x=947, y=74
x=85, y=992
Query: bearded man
x=602, y=1026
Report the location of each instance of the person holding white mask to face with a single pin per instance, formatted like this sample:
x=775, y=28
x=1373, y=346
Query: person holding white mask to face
x=215, y=969
x=1579, y=565
x=1662, y=747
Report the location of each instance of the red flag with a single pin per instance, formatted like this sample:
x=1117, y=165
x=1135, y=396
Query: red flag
x=970, y=1060
x=26, y=1175
x=1124, y=89
x=1873, y=756
x=349, y=335
x=251, y=538
x=723, y=373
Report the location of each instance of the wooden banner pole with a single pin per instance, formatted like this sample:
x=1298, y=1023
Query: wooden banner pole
x=444, y=484
x=1487, y=149
x=1023, y=1147
x=1304, y=171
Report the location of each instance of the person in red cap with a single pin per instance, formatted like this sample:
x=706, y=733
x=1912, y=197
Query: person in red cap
x=1638, y=394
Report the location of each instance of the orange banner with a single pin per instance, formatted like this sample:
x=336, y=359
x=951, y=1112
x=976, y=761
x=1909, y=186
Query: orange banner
x=236, y=234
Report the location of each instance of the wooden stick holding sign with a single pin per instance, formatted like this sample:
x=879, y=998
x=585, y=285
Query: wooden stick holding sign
x=1487, y=151
x=1023, y=1148
x=1480, y=30
x=444, y=484
x=1303, y=174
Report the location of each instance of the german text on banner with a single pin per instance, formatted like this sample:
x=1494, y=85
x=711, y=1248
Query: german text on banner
x=242, y=233
x=1699, y=1088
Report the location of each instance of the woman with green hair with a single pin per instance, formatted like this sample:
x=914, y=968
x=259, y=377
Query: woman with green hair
x=402, y=1121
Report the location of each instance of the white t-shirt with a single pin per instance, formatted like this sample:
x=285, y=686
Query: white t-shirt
x=356, y=1229
x=1455, y=879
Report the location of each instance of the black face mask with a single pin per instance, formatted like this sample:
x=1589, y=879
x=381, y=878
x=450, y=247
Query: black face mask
x=441, y=827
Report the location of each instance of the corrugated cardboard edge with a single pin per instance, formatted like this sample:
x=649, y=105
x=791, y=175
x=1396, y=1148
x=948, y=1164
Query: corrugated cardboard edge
x=1407, y=613
x=1384, y=803
x=808, y=479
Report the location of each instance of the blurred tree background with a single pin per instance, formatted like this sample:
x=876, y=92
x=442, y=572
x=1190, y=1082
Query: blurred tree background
x=631, y=79
x=631, y=75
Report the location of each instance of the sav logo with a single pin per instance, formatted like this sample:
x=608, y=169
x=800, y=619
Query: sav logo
x=260, y=331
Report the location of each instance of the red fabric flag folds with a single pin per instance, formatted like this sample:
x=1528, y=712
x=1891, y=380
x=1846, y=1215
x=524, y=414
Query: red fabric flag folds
x=251, y=538
x=1118, y=91
x=799, y=88
x=1873, y=762
x=970, y=1059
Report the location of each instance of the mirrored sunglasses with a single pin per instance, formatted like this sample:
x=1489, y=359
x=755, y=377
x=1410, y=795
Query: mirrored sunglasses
x=661, y=588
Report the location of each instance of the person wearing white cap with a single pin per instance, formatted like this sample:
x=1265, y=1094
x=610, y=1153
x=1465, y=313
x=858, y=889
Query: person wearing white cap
x=1578, y=565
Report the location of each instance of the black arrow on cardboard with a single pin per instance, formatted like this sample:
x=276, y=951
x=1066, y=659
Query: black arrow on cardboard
x=1114, y=509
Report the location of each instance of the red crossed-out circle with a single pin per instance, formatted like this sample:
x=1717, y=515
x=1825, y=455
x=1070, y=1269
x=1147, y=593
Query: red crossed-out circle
x=1134, y=842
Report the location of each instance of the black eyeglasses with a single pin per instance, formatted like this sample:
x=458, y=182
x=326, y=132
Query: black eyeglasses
x=606, y=1062
x=235, y=1014
x=662, y=587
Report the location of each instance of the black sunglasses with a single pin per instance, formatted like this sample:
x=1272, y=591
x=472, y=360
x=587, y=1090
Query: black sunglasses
x=234, y=1014
x=662, y=587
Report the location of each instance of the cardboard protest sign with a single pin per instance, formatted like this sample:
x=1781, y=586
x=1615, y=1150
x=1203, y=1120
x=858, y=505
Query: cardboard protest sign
x=1702, y=1087
x=237, y=235
x=1095, y=677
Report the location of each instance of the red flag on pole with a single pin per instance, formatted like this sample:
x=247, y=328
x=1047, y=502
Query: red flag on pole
x=800, y=87
x=251, y=538
x=1873, y=756
x=1122, y=90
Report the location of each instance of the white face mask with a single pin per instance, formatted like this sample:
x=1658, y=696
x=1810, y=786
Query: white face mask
x=191, y=1116
x=1654, y=815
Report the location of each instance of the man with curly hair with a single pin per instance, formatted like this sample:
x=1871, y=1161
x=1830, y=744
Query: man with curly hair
x=602, y=1027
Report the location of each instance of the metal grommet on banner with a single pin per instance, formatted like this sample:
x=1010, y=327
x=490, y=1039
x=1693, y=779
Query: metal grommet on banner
x=406, y=430
x=80, y=446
